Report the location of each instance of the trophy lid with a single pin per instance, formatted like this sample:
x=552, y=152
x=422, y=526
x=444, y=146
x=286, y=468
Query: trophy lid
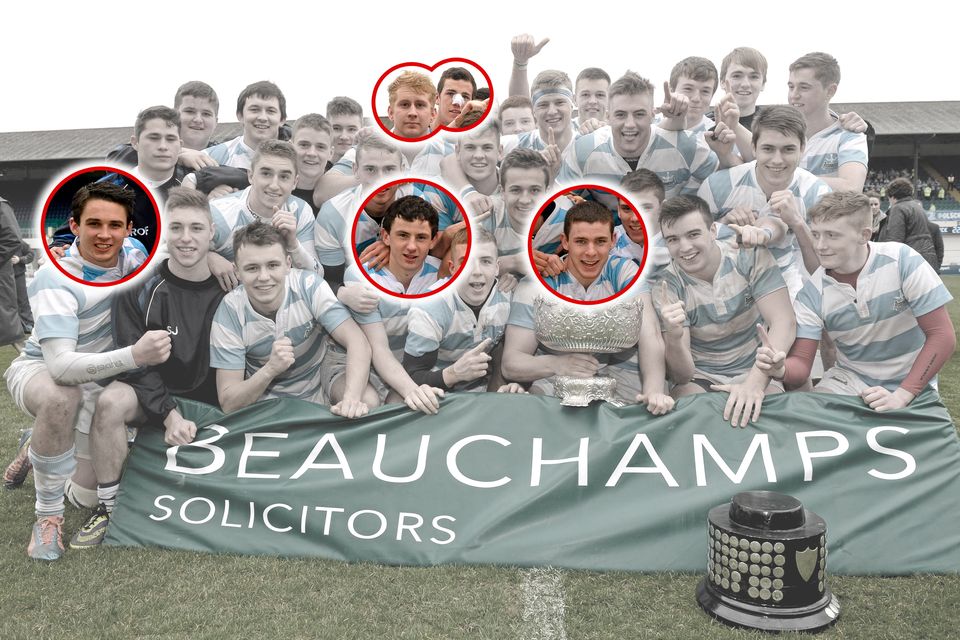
x=766, y=510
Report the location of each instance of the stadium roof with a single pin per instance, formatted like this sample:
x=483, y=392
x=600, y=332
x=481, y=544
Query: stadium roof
x=77, y=144
x=887, y=118
x=907, y=118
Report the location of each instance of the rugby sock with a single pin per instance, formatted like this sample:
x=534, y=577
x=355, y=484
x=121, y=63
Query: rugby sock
x=50, y=474
x=107, y=494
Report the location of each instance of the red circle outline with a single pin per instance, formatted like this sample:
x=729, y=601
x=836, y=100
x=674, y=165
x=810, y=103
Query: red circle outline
x=643, y=261
x=156, y=216
x=376, y=87
x=356, y=256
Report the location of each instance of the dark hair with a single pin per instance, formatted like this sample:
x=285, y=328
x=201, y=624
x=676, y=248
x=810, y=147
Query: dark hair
x=592, y=73
x=697, y=69
x=166, y=114
x=411, y=209
x=783, y=118
x=263, y=89
x=344, y=106
x=482, y=93
x=643, y=180
x=258, y=233
x=456, y=73
x=678, y=206
x=630, y=84
x=102, y=191
x=900, y=188
x=521, y=158
x=587, y=211
x=197, y=89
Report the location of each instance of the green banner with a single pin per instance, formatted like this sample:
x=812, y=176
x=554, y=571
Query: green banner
x=520, y=480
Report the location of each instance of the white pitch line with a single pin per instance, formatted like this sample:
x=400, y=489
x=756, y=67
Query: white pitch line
x=543, y=606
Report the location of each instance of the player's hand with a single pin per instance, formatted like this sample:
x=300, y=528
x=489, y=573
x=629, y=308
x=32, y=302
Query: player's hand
x=727, y=112
x=511, y=387
x=58, y=252
x=376, y=256
x=770, y=361
x=219, y=191
x=281, y=356
x=784, y=204
x=853, y=122
x=471, y=365
x=743, y=405
x=658, y=403
x=524, y=47
x=507, y=282
x=425, y=399
x=578, y=365
x=548, y=264
x=674, y=107
x=469, y=107
x=152, y=348
x=721, y=140
x=224, y=271
x=669, y=308
x=879, y=399
x=285, y=222
x=196, y=159
x=479, y=205
x=552, y=154
x=590, y=125
x=740, y=215
x=178, y=430
x=358, y=296
x=751, y=236
x=350, y=409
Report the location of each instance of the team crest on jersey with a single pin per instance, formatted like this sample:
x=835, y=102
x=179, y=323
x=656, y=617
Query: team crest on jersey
x=831, y=162
x=900, y=303
x=669, y=179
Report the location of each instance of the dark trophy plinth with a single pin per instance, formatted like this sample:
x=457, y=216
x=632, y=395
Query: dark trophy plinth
x=766, y=565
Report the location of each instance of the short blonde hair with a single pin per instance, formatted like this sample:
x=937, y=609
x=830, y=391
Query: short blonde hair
x=843, y=205
x=415, y=81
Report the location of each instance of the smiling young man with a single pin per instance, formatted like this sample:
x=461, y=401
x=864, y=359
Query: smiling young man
x=197, y=104
x=269, y=336
x=261, y=109
x=313, y=141
x=179, y=299
x=409, y=230
x=412, y=104
x=833, y=154
x=681, y=159
x=766, y=200
x=516, y=115
x=53, y=380
x=346, y=119
x=454, y=342
x=552, y=98
x=710, y=299
x=591, y=89
x=591, y=272
x=454, y=89
x=377, y=160
x=101, y=221
x=880, y=302
x=272, y=175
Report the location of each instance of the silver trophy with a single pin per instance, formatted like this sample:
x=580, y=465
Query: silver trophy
x=569, y=328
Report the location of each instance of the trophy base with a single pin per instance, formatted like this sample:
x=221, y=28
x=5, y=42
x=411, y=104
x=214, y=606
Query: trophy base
x=815, y=617
x=580, y=392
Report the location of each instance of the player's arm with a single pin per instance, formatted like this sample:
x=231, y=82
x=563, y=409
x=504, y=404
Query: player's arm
x=330, y=184
x=235, y=392
x=523, y=47
x=676, y=336
x=69, y=367
x=521, y=365
x=392, y=372
x=850, y=177
x=351, y=338
x=652, y=361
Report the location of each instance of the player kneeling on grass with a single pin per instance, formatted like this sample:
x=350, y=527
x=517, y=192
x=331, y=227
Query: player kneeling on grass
x=269, y=336
x=450, y=338
x=710, y=298
x=53, y=379
x=882, y=304
x=179, y=299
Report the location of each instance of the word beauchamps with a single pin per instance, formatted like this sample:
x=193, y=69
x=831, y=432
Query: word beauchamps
x=279, y=517
x=639, y=457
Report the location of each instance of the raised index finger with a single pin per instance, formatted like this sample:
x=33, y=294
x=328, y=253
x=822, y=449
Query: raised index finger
x=764, y=336
x=482, y=346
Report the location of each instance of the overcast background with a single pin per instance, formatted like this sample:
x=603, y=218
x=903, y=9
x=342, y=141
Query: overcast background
x=96, y=64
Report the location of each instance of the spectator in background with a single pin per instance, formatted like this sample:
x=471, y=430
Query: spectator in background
x=11, y=330
x=20, y=262
x=937, y=237
x=906, y=221
x=879, y=217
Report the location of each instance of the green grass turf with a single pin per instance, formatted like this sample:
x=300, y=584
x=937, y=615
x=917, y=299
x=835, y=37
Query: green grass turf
x=138, y=593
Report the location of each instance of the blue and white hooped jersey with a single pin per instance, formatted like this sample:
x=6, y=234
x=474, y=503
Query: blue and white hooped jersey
x=232, y=212
x=232, y=153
